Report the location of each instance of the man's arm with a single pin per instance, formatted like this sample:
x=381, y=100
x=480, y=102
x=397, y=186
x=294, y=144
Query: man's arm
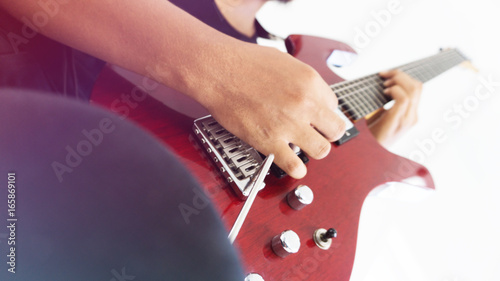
x=263, y=96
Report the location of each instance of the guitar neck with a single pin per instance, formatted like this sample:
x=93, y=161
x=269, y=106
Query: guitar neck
x=362, y=96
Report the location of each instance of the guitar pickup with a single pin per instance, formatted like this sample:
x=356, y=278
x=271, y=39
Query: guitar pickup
x=350, y=130
x=349, y=134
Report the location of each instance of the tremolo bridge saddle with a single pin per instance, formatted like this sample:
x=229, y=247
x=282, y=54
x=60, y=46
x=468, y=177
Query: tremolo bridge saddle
x=236, y=160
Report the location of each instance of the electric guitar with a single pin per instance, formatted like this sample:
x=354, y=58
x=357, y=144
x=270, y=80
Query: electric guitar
x=338, y=184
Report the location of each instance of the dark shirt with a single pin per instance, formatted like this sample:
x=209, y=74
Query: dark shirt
x=35, y=62
x=32, y=61
x=208, y=12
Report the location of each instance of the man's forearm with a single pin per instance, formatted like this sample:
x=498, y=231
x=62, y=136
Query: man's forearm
x=153, y=38
x=266, y=97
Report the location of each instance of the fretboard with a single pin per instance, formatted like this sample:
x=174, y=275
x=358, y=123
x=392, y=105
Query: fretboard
x=360, y=97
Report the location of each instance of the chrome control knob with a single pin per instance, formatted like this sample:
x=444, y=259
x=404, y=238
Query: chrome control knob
x=254, y=277
x=300, y=197
x=286, y=243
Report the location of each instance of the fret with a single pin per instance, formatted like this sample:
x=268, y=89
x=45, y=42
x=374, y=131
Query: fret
x=418, y=75
x=377, y=97
x=359, y=97
x=433, y=72
x=437, y=64
x=375, y=87
x=367, y=103
x=355, y=102
x=358, y=103
x=369, y=91
x=357, y=91
x=375, y=103
x=352, y=105
x=349, y=106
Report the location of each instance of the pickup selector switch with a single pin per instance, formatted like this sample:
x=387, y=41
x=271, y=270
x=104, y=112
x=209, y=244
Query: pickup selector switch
x=323, y=238
x=286, y=243
x=300, y=197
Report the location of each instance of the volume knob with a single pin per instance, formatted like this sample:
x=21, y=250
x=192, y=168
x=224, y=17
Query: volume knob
x=286, y=243
x=254, y=277
x=300, y=197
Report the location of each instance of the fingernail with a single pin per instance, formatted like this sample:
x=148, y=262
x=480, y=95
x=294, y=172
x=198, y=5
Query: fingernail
x=386, y=91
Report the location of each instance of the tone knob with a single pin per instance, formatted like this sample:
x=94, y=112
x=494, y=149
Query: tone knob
x=254, y=277
x=286, y=243
x=300, y=197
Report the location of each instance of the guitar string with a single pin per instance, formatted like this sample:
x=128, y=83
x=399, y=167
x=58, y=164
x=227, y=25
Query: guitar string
x=369, y=105
x=413, y=67
x=366, y=99
x=415, y=70
x=376, y=84
x=359, y=81
x=442, y=61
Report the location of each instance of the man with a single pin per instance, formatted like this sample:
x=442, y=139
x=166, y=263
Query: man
x=239, y=18
x=253, y=91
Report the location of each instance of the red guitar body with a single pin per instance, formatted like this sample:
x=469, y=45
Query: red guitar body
x=340, y=182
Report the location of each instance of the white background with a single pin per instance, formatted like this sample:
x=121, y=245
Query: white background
x=451, y=234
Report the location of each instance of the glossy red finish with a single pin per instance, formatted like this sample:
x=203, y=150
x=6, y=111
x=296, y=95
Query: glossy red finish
x=340, y=182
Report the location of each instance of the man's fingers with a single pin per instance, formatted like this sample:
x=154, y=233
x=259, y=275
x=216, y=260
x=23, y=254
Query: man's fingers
x=406, y=93
x=330, y=125
x=403, y=109
x=389, y=73
x=287, y=160
x=313, y=143
x=412, y=89
x=399, y=95
x=396, y=77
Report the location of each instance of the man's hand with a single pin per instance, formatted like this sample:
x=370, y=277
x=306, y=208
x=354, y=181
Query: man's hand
x=405, y=91
x=267, y=98
x=271, y=100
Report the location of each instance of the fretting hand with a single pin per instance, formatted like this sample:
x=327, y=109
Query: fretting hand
x=389, y=124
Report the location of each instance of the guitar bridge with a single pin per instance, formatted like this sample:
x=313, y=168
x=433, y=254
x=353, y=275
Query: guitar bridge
x=236, y=160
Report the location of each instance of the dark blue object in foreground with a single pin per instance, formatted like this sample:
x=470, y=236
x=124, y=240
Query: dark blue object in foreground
x=97, y=198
